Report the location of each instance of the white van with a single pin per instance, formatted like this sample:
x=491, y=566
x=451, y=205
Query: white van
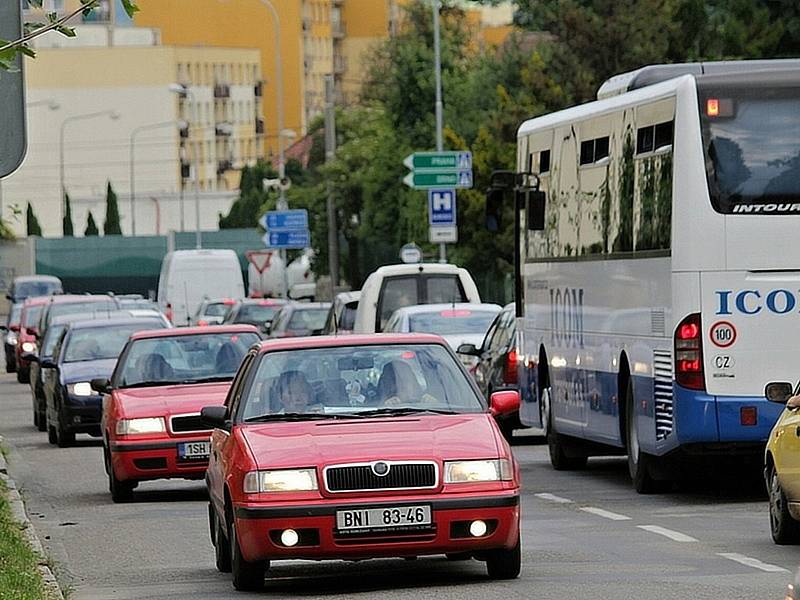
x=395, y=286
x=189, y=276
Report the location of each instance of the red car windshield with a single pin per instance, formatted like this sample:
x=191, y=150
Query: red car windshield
x=358, y=381
x=186, y=359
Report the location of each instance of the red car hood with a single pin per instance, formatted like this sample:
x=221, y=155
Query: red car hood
x=310, y=443
x=170, y=399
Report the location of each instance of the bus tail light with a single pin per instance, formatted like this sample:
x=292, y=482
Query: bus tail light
x=689, y=353
x=510, y=368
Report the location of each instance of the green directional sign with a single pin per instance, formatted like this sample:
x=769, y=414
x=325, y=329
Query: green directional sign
x=422, y=180
x=458, y=160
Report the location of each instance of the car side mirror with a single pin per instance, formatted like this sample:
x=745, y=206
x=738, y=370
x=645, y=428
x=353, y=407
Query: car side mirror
x=3, y=328
x=30, y=356
x=9, y=297
x=468, y=349
x=778, y=391
x=47, y=363
x=267, y=327
x=101, y=385
x=214, y=417
x=504, y=403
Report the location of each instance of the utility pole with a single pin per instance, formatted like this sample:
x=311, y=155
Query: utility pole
x=330, y=151
x=437, y=52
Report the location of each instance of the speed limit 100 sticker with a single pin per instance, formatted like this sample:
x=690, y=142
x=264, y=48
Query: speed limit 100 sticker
x=723, y=334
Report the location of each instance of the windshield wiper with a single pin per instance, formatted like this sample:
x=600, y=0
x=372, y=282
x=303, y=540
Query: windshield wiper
x=405, y=410
x=300, y=417
x=212, y=379
x=149, y=384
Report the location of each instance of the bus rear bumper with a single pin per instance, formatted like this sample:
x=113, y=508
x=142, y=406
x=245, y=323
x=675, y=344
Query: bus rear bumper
x=701, y=417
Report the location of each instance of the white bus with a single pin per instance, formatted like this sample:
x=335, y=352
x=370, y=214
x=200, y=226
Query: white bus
x=658, y=274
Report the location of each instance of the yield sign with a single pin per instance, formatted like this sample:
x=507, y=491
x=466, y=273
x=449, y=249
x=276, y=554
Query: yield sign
x=260, y=259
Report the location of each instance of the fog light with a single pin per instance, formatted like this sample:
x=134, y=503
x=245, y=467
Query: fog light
x=748, y=416
x=477, y=529
x=289, y=538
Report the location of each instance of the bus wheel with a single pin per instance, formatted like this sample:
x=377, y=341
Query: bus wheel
x=562, y=456
x=640, y=464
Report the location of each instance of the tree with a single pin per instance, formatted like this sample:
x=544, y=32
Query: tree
x=32, y=222
x=91, y=226
x=112, y=224
x=10, y=49
x=246, y=209
x=67, y=223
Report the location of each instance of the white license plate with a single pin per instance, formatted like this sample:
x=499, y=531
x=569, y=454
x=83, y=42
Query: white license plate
x=194, y=450
x=379, y=518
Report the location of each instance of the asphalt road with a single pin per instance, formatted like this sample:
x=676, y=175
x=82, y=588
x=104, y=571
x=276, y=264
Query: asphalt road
x=586, y=534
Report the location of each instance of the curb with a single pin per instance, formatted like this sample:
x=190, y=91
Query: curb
x=19, y=513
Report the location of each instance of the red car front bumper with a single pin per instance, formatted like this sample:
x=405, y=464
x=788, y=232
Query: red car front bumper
x=259, y=528
x=155, y=459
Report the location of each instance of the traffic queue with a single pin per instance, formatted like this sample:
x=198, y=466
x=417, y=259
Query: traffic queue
x=349, y=445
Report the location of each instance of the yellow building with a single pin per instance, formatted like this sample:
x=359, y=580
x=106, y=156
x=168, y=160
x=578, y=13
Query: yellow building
x=306, y=53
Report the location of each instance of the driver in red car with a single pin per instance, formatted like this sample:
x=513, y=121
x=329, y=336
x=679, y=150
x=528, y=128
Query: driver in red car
x=295, y=394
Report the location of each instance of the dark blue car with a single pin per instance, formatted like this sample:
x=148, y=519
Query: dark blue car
x=86, y=350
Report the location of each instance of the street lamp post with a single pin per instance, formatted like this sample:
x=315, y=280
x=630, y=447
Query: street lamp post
x=111, y=113
x=134, y=133
x=185, y=92
x=282, y=203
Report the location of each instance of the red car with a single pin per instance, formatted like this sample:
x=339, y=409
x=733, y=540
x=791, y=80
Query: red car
x=359, y=447
x=29, y=329
x=151, y=406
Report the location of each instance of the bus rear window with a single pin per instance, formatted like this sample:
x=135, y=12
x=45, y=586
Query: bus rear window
x=751, y=140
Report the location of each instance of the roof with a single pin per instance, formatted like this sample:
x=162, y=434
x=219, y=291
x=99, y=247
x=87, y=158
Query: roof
x=411, y=268
x=308, y=305
x=115, y=322
x=25, y=278
x=264, y=301
x=76, y=298
x=359, y=339
x=181, y=331
x=429, y=308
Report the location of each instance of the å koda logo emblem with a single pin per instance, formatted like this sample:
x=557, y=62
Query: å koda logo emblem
x=752, y=302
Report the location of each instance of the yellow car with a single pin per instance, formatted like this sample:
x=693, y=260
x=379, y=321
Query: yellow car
x=782, y=466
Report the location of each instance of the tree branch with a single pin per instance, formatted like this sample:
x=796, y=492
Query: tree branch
x=49, y=27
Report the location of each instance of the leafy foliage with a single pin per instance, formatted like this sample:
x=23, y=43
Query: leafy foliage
x=32, y=223
x=112, y=222
x=67, y=222
x=91, y=226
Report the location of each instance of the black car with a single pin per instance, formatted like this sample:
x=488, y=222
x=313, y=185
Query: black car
x=299, y=318
x=38, y=375
x=254, y=311
x=496, y=365
x=86, y=350
x=29, y=286
x=11, y=337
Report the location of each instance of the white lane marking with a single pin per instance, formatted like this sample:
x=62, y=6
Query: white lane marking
x=752, y=562
x=676, y=536
x=606, y=514
x=553, y=498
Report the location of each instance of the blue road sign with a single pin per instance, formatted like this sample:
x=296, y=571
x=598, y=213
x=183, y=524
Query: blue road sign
x=442, y=207
x=284, y=220
x=295, y=239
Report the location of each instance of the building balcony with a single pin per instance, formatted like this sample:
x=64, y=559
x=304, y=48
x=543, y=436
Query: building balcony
x=260, y=127
x=224, y=165
x=222, y=90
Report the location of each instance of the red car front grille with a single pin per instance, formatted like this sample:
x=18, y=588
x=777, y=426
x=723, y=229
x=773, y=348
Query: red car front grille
x=363, y=477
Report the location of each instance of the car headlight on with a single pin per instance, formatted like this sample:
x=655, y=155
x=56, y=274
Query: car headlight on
x=470, y=471
x=28, y=347
x=81, y=389
x=283, y=480
x=12, y=338
x=146, y=425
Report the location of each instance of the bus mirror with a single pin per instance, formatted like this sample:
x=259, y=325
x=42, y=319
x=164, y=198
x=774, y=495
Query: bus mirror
x=535, y=210
x=494, y=208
